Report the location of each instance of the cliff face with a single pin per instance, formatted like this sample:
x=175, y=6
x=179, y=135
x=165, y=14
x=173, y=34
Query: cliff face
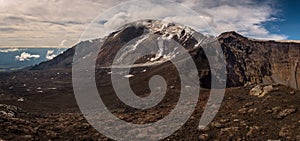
x=248, y=61
x=253, y=61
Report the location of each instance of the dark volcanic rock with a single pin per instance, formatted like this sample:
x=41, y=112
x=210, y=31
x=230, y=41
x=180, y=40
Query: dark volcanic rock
x=254, y=61
x=227, y=125
x=248, y=61
x=61, y=61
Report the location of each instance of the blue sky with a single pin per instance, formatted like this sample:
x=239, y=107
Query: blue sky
x=290, y=24
x=19, y=58
x=287, y=19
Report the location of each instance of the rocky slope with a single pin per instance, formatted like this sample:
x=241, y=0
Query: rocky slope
x=248, y=61
x=241, y=117
x=252, y=61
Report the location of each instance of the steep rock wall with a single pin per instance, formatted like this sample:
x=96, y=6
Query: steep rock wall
x=254, y=61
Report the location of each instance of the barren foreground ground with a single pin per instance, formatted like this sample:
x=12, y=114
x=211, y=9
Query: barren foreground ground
x=40, y=105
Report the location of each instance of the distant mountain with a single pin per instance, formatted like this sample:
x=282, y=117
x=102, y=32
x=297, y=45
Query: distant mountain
x=248, y=61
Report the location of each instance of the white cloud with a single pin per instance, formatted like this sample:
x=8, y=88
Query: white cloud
x=46, y=22
x=9, y=50
x=62, y=43
x=246, y=17
x=116, y=21
x=26, y=56
x=50, y=55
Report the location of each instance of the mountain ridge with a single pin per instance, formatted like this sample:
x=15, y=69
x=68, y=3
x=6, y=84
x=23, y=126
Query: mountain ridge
x=249, y=61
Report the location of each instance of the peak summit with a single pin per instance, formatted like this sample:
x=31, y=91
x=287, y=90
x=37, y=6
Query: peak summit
x=232, y=34
x=167, y=30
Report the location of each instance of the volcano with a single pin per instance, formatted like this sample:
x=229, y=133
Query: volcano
x=38, y=103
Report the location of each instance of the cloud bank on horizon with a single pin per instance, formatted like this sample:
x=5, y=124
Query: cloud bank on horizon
x=9, y=50
x=59, y=23
x=50, y=55
x=26, y=56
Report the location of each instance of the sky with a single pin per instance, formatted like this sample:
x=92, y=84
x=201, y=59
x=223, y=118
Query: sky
x=19, y=58
x=290, y=19
x=59, y=23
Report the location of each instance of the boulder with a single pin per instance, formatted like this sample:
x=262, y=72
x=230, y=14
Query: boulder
x=261, y=91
